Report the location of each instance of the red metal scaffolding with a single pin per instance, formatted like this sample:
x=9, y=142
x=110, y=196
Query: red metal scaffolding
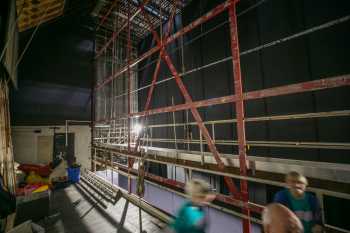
x=238, y=195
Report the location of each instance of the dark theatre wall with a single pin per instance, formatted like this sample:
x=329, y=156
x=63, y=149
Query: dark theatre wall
x=56, y=73
x=318, y=55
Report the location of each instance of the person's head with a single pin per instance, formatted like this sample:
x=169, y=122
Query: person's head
x=199, y=191
x=279, y=219
x=296, y=183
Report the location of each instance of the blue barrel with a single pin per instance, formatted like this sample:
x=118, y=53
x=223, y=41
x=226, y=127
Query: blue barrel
x=74, y=174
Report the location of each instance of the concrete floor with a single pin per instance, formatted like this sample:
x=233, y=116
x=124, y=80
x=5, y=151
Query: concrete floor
x=73, y=210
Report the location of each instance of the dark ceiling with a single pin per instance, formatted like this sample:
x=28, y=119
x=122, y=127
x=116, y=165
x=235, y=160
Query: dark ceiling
x=56, y=72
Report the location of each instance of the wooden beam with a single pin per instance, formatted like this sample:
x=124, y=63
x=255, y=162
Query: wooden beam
x=26, y=26
x=27, y=3
x=41, y=10
x=32, y=13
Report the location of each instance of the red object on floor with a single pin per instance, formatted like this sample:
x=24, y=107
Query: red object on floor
x=38, y=169
x=29, y=188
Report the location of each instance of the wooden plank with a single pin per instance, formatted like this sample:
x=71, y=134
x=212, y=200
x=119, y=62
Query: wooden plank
x=35, y=22
x=47, y=18
x=33, y=12
x=39, y=14
x=41, y=8
x=27, y=3
x=29, y=26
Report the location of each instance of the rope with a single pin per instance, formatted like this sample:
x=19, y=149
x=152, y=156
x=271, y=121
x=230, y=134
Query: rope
x=30, y=40
x=12, y=33
x=141, y=169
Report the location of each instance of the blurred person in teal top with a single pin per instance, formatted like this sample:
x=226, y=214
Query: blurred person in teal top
x=191, y=217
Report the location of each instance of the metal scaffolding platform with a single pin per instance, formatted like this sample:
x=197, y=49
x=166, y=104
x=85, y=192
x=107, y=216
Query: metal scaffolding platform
x=122, y=134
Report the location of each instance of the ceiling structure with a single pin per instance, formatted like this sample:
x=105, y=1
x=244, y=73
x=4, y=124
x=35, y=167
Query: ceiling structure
x=56, y=63
x=71, y=26
x=34, y=12
x=112, y=15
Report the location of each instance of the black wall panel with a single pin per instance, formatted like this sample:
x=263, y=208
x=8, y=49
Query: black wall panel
x=56, y=73
x=317, y=55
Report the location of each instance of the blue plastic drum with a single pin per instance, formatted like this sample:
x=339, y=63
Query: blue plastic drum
x=74, y=174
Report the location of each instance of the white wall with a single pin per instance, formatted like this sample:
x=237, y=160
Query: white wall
x=25, y=142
